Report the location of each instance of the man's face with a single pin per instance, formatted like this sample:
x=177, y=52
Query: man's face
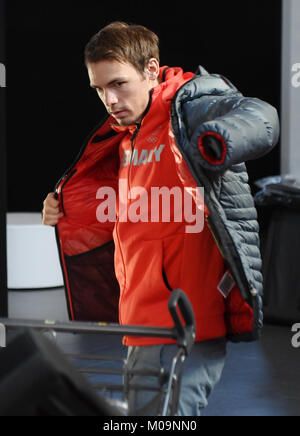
x=122, y=89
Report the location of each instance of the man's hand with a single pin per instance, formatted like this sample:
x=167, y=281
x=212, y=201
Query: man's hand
x=51, y=212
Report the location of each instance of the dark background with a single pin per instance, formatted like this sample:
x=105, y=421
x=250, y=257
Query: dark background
x=50, y=107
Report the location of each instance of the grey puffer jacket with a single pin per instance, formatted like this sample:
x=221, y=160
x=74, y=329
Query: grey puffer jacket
x=209, y=106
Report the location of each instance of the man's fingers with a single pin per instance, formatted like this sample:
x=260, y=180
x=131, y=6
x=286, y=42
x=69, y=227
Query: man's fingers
x=51, y=210
x=51, y=201
x=51, y=220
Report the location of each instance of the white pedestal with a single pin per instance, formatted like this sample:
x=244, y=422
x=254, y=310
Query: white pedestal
x=32, y=255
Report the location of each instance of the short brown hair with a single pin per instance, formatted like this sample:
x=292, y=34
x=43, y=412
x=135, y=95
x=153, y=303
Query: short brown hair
x=125, y=43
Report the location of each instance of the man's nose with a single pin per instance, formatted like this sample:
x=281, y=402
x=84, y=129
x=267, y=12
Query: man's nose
x=110, y=98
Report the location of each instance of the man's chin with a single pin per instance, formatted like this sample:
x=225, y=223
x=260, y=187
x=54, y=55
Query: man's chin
x=126, y=121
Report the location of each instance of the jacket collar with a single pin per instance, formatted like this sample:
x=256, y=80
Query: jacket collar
x=171, y=79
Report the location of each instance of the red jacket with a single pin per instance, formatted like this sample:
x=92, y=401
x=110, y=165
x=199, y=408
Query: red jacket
x=150, y=258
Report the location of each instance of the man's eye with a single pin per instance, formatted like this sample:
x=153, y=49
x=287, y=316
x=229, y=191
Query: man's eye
x=119, y=84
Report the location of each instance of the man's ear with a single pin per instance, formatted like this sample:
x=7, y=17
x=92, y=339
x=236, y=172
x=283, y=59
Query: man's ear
x=152, y=69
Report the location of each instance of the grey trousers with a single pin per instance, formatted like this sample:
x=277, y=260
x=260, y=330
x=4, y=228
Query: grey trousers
x=201, y=372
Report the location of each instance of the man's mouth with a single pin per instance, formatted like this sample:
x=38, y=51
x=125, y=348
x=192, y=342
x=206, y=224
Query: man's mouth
x=119, y=114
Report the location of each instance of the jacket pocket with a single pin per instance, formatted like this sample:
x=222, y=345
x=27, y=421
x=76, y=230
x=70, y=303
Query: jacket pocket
x=165, y=279
x=172, y=261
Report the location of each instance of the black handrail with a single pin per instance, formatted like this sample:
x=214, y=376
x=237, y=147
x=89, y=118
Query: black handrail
x=183, y=334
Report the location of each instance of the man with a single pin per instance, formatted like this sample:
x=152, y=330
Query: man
x=166, y=129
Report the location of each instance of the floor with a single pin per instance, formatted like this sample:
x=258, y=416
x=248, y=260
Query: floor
x=260, y=379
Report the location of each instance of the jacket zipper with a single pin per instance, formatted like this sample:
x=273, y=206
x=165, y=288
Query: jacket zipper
x=66, y=178
x=133, y=139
